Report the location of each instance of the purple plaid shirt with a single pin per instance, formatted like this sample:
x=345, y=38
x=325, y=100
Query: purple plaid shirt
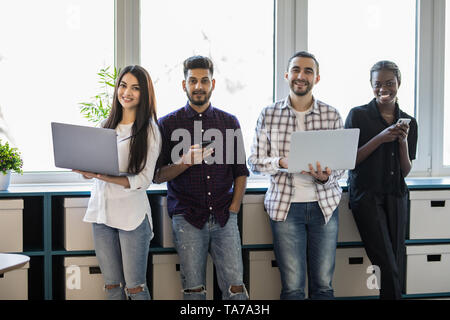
x=203, y=189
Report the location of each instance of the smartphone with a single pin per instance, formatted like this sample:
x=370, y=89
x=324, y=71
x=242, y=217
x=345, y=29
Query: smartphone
x=206, y=143
x=403, y=120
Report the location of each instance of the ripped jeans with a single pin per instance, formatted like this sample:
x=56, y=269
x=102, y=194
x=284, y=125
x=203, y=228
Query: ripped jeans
x=224, y=245
x=123, y=256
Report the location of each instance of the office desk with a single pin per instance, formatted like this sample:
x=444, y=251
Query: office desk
x=9, y=261
x=43, y=228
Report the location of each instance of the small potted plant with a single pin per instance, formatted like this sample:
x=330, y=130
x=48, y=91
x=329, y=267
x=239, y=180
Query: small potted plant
x=10, y=159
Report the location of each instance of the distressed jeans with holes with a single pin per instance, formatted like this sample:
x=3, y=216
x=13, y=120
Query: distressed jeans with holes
x=224, y=245
x=122, y=256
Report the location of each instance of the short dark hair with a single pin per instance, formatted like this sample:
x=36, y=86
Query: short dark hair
x=386, y=65
x=197, y=62
x=303, y=54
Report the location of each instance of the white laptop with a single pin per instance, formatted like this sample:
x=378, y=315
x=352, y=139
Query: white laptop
x=335, y=149
x=85, y=148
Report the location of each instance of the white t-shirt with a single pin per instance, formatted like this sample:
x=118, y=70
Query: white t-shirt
x=304, y=185
x=120, y=207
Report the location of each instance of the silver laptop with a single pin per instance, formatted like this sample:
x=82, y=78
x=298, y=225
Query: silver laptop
x=335, y=149
x=85, y=148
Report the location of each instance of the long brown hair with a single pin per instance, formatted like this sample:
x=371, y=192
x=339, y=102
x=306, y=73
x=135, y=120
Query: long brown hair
x=145, y=113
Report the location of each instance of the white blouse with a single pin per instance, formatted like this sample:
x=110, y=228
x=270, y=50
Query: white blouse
x=119, y=207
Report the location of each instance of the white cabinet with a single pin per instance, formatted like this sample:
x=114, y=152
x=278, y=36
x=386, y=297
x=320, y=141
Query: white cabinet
x=77, y=233
x=167, y=281
x=427, y=268
x=354, y=274
x=83, y=279
x=264, y=276
x=11, y=225
x=255, y=221
x=429, y=214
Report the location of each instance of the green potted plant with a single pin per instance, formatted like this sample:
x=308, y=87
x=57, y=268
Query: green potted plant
x=10, y=160
x=98, y=108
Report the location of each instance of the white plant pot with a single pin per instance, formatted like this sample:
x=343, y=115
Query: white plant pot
x=5, y=179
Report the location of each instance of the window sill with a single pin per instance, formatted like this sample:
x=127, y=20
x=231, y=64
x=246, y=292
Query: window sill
x=253, y=185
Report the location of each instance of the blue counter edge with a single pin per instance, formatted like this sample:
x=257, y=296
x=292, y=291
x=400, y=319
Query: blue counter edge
x=252, y=187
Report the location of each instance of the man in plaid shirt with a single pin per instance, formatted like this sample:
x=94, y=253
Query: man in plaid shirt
x=204, y=193
x=303, y=207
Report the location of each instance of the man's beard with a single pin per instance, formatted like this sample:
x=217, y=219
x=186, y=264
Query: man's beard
x=301, y=93
x=199, y=102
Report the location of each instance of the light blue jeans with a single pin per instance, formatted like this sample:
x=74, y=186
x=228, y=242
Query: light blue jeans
x=123, y=256
x=304, y=242
x=224, y=245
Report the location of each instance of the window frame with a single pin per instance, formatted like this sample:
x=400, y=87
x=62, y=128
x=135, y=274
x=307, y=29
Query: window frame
x=436, y=112
x=430, y=75
x=291, y=34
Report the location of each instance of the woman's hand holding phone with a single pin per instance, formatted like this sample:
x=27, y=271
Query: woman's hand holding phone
x=402, y=126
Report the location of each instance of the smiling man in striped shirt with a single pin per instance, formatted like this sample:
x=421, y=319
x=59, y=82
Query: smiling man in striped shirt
x=302, y=206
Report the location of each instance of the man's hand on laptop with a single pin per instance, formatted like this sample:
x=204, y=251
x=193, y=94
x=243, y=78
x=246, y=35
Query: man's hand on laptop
x=321, y=176
x=283, y=162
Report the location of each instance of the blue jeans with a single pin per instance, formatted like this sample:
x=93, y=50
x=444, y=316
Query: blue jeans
x=303, y=242
x=224, y=245
x=122, y=256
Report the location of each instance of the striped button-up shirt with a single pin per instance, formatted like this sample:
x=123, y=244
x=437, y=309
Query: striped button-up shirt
x=271, y=142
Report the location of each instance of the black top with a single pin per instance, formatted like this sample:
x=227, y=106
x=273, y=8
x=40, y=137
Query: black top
x=380, y=172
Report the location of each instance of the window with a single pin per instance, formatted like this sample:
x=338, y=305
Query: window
x=237, y=35
x=446, y=144
x=350, y=36
x=50, y=52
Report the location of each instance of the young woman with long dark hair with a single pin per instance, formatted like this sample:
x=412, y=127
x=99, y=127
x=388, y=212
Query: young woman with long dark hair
x=119, y=208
